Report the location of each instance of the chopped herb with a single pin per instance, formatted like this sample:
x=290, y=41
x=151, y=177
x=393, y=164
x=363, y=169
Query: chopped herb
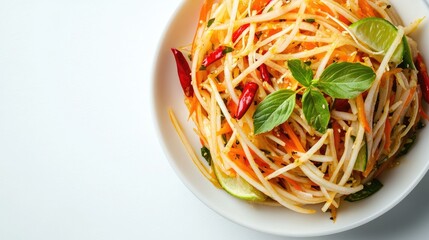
x=224, y=138
x=266, y=152
x=309, y=20
x=210, y=22
x=205, y=152
x=202, y=68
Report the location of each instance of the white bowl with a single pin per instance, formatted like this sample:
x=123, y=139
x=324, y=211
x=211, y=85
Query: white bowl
x=167, y=93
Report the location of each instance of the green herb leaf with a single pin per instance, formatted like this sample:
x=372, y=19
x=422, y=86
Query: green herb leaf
x=205, y=152
x=309, y=20
x=345, y=80
x=274, y=110
x=210, y=22
x=368, y=189
x=316, y=109
x=300, y=71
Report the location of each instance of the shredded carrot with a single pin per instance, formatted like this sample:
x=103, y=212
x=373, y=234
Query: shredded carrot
x=237, y=151
x=201, y=76
x=286, y=127
x=194, y=104
x=309, y=45
x=258, y=5
x=386, y=76
x=361, y=113
x=365, y=10
x=239, y=158
x=224, y=129
x=232, y=107
x=289, y=147
x=371, y=163
x=410, y=96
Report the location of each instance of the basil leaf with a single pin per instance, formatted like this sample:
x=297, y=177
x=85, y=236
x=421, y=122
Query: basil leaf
x=316, y=109
x=345, y=80
x=274, y=110
x=300, y=71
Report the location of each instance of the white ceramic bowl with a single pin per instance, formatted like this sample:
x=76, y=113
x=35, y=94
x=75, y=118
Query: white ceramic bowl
x=167, y=93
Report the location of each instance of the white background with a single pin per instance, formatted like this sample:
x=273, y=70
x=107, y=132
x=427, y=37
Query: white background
x=79, y=158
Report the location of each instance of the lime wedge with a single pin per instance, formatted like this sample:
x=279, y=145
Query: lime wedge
x=238, y=187
x=361, y=159
x=379, y=35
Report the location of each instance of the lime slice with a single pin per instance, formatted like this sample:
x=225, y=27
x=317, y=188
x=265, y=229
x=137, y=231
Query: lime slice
x=379, y=35
x=408, y=59
x=361, y=159
x=238, y=187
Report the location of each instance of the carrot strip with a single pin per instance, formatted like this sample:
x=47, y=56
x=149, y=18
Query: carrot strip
x=361, y=113
x=410, y=96
x=232, y=107
x=365, y=10
x=201, y=76
x=286, y=127
x=224, y=129
x=289, y=147
x=194, y=105
x=259, y=5
x=241, y=161
x=371, y=164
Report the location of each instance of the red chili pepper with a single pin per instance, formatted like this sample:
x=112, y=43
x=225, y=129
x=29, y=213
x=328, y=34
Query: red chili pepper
x=342, y=105
x=216, y=55
x=259, y=6
x=213, y=56
x=184, y=72
x=265, y=74
x=423, y=77
x=246, y=99
x=239, y=31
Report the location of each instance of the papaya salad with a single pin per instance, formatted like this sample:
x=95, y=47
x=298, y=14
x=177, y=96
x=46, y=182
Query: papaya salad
x=299, y=103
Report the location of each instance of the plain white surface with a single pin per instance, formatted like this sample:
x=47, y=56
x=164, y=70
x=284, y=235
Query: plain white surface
x=78, y=158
